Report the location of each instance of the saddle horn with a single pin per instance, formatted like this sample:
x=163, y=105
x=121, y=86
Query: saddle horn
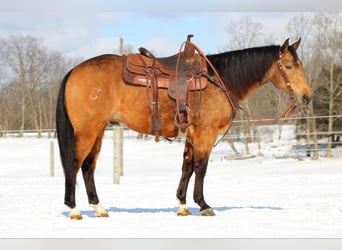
x=189, y=50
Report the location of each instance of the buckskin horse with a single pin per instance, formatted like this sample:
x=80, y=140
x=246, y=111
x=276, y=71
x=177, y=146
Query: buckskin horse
x=94, y=94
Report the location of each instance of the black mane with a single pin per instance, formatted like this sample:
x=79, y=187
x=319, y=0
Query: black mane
x=241, y=69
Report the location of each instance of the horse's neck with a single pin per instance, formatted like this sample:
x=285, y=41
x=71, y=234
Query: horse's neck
x=245, y=71
x=245, y=91
x=243, y=94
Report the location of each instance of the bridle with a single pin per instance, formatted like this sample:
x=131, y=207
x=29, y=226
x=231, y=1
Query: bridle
x=286, y=79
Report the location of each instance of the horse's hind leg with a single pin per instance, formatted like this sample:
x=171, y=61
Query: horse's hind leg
x=88, y=169
x=69, y=198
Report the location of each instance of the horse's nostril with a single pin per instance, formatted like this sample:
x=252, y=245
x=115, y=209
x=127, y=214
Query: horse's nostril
x=306, y=99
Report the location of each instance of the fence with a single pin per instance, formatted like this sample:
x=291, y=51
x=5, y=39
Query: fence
x=290, y=129
x=306, y=139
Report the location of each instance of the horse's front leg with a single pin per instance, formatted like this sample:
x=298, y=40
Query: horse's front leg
x=202, y=147
x=187, y=170
x=200, y=171
x=194, y=160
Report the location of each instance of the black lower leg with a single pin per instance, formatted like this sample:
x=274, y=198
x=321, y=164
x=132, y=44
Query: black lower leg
x=88, y=177
x=187, y=171
x=69, y=195
x=183, y=184
x=200, y=171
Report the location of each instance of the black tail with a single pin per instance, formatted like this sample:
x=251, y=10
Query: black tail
x=65, y=132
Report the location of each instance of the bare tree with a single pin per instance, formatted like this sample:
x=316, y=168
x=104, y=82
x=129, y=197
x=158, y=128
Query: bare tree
x=10, y=107
x=329, y=37
x=301, y=25
x=24, y=57
x=34, y=74
x=244, y=33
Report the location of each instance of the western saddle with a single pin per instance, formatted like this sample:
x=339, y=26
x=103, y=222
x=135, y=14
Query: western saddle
x=183, y=72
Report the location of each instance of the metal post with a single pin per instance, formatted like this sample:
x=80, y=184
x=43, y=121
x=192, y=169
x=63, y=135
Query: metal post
x=52, y=158
x=117, y=153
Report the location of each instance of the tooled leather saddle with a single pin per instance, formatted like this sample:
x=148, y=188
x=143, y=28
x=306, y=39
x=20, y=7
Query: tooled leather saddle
x=179, y=74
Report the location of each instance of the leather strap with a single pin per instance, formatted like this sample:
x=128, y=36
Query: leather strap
x=152, y=83
x=286, y=79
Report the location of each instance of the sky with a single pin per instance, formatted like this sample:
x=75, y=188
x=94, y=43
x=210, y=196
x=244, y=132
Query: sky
x=85, y=29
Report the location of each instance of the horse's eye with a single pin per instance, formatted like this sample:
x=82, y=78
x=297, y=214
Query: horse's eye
x=288, y=66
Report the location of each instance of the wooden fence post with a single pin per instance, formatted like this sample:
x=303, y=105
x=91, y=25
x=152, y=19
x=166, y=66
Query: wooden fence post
x=117, y=153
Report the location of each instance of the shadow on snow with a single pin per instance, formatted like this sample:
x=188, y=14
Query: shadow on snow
x=193, y=210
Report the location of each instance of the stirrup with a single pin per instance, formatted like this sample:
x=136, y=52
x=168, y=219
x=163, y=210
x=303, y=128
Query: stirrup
x=182, y=118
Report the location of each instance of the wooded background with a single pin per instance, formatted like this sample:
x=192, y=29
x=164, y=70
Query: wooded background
x=30, y=76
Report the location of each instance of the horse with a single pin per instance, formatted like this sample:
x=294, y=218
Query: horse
x=94, y=94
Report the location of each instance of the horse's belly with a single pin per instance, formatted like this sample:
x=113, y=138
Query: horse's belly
x=141, y=121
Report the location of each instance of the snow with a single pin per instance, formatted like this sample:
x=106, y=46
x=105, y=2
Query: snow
x=268, y=196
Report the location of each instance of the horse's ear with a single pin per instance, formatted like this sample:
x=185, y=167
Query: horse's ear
x=295, y=45
x=285, y=45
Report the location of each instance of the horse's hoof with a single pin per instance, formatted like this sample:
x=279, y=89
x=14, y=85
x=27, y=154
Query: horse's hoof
x=74, y=214
x=207, y=212
x=183, y=212
x=100, y=211
x=104, y=215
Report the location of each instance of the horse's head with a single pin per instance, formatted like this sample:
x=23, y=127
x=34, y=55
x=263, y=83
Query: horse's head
x=287, y=73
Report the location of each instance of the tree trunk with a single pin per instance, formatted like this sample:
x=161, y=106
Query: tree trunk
x=257, y=137
x=315, y=139
x=40, y=117
x=308, y=139
x=34, y=113
x=331, y=107
x=232, y=146
x=246, y=131
x=23, y=110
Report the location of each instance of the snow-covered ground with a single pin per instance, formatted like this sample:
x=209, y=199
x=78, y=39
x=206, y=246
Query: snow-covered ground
x=266, y=196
